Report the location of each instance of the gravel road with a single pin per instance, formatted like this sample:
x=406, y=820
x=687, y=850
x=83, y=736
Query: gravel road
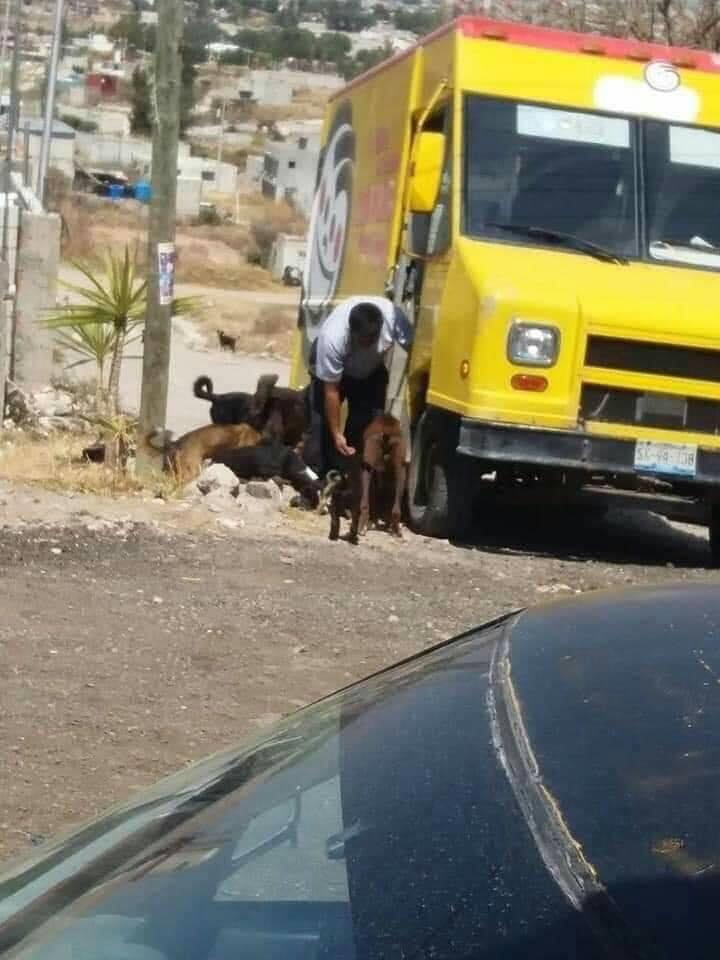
x=136, y=637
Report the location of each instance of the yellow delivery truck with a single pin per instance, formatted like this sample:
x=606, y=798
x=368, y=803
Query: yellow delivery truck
x=546, y=205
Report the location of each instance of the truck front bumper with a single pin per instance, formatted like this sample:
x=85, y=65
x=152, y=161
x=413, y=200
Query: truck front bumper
x=494, y=443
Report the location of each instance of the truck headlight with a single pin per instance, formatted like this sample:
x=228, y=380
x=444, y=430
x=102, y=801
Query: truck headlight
x=533, y=344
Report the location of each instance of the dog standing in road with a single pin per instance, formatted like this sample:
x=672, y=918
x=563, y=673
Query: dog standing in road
x=226, y=341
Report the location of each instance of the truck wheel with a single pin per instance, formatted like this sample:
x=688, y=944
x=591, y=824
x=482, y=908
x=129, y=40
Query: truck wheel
x=440, y=500
x=715, y=535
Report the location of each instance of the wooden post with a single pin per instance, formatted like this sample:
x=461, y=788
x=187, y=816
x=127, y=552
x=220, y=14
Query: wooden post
x=166, y=110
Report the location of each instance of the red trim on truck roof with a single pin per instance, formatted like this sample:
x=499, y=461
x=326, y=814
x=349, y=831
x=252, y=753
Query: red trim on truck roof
x=592, y=43
x=549, y=38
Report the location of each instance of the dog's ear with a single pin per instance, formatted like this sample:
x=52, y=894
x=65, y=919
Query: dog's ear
x=263, y=391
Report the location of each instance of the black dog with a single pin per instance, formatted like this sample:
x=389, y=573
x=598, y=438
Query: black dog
x=226, y=341
x=267, y=460
x=277, y=412
x=225, y=408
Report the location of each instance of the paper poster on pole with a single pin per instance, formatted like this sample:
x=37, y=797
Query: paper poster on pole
x=166, y=273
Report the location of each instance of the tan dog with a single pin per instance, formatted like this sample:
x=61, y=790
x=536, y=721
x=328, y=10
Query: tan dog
x=383, y=473
x=184, y=456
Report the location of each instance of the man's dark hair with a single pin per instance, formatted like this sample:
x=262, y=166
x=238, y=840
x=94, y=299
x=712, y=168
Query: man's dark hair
x=365, y=321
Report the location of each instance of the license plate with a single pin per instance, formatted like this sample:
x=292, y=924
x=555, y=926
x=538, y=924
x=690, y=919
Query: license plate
x=674, y=459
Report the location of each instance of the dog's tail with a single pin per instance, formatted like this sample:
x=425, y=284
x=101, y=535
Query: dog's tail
x=160, y=439
x=203, y=389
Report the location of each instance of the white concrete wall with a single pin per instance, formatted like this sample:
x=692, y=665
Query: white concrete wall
x=13, y=225
x=270, y=88
x=62, y=154
x=189, y=194
x=38, y=260
x=225, y=175
x=96, y=149
x=287, y=252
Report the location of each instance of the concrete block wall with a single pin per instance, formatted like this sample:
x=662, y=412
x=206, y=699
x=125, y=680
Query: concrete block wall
x=38, y=258
x=93, y=148
x=13, y=224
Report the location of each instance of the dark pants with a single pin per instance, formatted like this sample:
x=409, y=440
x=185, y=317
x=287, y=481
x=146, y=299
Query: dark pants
x=365, y=400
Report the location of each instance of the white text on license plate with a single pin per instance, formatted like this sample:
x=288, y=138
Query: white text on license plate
x=675, y=459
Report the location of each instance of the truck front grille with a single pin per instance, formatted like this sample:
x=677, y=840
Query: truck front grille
x=636, y=356
x=664, y=411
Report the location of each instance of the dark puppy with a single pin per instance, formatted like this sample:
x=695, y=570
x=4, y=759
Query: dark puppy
x=342, y=494
x=277, y=412
x=226, y=341
x=267, y=460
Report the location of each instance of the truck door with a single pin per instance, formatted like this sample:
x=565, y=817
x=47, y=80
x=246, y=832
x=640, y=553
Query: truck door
x=419, y=279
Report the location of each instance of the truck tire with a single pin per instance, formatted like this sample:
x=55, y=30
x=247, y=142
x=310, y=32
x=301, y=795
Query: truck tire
x=439, y=494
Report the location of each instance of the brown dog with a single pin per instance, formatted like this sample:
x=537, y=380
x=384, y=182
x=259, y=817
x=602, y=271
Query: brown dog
x=184, y=456
x=372, y=483
x=383, y=473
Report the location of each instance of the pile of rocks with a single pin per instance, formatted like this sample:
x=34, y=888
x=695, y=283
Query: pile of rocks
x=219, y=490
x=43, y=411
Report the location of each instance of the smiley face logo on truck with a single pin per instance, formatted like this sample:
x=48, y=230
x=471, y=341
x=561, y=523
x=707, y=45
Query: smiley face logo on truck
x=330, y=216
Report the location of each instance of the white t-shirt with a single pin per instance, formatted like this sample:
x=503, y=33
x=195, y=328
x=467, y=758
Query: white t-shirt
x=334, y=358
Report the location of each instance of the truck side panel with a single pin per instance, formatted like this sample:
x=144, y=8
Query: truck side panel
x=358, y=200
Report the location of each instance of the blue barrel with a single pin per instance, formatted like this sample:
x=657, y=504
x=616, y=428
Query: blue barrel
x=116, y=191
x=143, y=191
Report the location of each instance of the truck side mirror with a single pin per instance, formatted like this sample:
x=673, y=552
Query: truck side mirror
x=426, y=171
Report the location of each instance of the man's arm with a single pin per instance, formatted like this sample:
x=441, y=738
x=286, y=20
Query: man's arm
x=333, y=404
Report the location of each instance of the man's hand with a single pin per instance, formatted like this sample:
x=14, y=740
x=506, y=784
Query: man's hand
x=342, y=447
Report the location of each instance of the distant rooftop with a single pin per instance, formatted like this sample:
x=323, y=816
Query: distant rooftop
x=60, y=130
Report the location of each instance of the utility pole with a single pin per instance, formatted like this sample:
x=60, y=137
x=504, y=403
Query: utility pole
x=3, y=44
x=7, y=303
x=44, y=160
x=221, y=136
x=161, y=240
x=12, y=122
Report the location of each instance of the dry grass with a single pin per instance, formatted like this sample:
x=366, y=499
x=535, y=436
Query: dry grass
x=91, y=224
x=210, y=256
x=258, y=327
x=270, y=322
x=54, y=463
x=197, y=265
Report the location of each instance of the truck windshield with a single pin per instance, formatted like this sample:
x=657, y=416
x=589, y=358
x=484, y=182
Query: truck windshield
x=556, y=170
x=533, y=170
x=682, y=173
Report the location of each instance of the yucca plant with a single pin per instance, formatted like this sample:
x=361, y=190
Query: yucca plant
x=93, y=343
x=106, y=317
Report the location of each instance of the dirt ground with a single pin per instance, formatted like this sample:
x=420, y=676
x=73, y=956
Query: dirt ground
x=136, y=637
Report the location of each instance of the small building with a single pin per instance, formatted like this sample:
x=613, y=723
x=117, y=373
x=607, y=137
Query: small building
x=102, y=45
x=287, y=251
x=289, y=172
x=216, y=177
x=101, y=84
